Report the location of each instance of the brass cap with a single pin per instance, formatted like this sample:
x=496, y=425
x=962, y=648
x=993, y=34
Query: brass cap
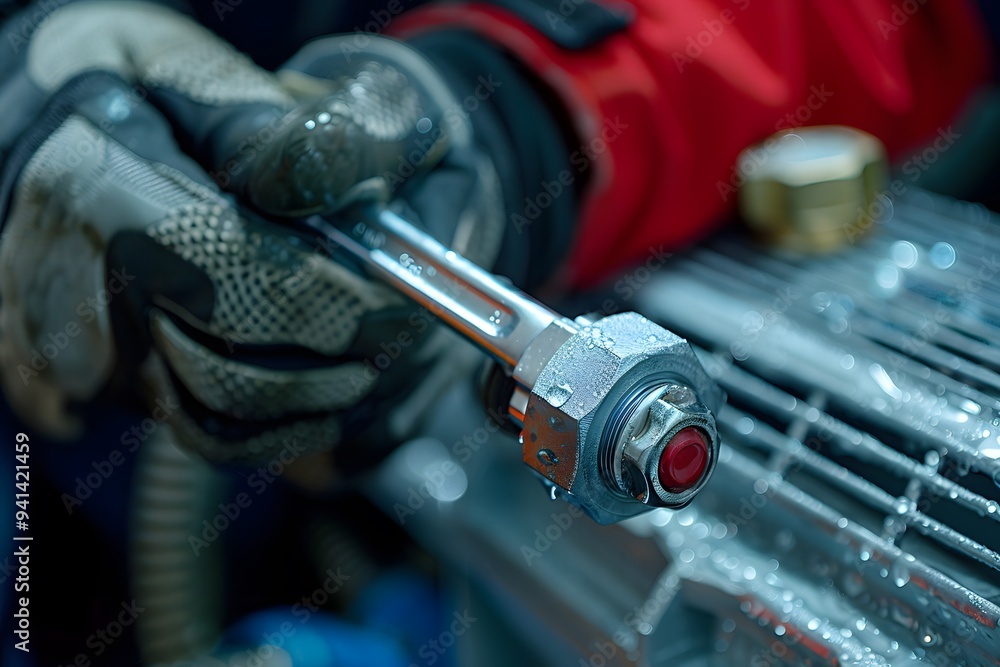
x=811, y=189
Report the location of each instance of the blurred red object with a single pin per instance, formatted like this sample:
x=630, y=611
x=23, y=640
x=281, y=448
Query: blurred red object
x=665, y=106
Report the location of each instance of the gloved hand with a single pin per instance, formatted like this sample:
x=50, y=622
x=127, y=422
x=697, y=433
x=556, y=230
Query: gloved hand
x=148, y=173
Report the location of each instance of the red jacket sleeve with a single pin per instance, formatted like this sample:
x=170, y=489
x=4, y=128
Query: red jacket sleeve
x=664, y=107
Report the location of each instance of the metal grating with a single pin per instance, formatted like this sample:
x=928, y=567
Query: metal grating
x=864, y=401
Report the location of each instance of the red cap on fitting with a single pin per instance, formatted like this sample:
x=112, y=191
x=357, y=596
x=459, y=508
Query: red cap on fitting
x=683, y=460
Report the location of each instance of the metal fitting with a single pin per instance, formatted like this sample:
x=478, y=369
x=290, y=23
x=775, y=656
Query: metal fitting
x=812, y=189
x=663, y=450
x=602, y=411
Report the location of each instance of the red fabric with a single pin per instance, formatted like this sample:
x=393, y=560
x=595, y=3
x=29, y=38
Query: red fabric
x=692, y=82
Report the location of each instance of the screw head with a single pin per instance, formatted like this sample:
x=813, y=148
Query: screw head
x=683, y=460
x=665, y=448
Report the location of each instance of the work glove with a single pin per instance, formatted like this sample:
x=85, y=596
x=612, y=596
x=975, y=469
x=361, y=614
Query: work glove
x=151, y=182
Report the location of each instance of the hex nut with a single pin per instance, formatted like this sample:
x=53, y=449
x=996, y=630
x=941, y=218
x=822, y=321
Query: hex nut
x=576, y=395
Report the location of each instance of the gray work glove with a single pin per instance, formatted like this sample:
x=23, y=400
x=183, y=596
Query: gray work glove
x=150, y=178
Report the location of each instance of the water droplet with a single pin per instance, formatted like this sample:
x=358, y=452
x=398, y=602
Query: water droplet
x=548, y=457
x=904, y=254
x=943, y=255
x=559, y=394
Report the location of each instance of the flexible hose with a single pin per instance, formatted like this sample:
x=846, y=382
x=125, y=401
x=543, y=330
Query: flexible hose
x=178, y=588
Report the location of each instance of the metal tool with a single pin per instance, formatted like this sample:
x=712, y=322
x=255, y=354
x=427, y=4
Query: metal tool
x=615, y=413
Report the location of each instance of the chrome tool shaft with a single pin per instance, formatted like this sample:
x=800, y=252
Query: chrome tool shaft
x=615, y=412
